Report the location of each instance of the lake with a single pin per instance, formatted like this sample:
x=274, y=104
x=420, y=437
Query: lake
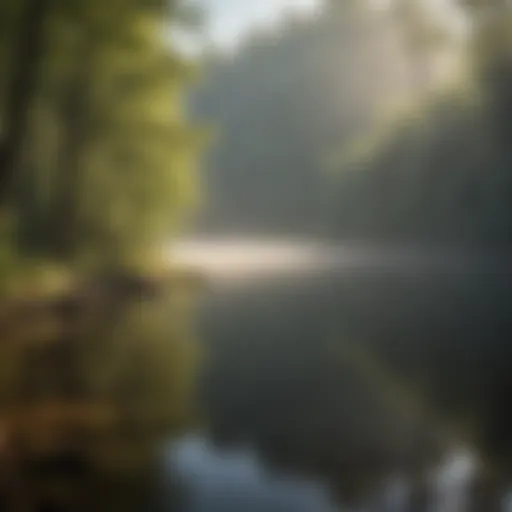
x=265, y=294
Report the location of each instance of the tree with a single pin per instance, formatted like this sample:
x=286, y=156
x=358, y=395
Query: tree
x=107, y=173
x=94, y=92
x=283, y=102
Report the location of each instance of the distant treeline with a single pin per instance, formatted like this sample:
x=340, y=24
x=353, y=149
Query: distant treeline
x=283, y=103
x=303, y=146
x=441, y=174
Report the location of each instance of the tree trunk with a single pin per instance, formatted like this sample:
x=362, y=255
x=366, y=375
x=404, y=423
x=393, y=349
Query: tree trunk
x=27, y=55
x=75, y=113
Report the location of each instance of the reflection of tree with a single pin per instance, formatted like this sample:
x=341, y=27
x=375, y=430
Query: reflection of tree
x=91, y=389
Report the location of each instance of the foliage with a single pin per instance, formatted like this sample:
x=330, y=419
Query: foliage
x=95, y=375
x=100, y=374
x=283, y=101
x=106, y=123
x=440, y=175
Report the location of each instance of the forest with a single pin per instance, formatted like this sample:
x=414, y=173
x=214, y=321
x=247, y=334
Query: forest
x=96, y=171
x=386, y=126
x=349, y=125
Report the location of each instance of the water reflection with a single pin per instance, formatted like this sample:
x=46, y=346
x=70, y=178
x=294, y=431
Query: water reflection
x=452, y=483
x=233, y=482
x=275, y=303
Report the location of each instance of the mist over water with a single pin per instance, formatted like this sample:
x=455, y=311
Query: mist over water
x=241, y=259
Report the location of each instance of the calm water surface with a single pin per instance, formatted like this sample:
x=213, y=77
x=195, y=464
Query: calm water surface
x=280, y=290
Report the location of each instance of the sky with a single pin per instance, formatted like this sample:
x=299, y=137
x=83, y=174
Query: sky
x=230, y=19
